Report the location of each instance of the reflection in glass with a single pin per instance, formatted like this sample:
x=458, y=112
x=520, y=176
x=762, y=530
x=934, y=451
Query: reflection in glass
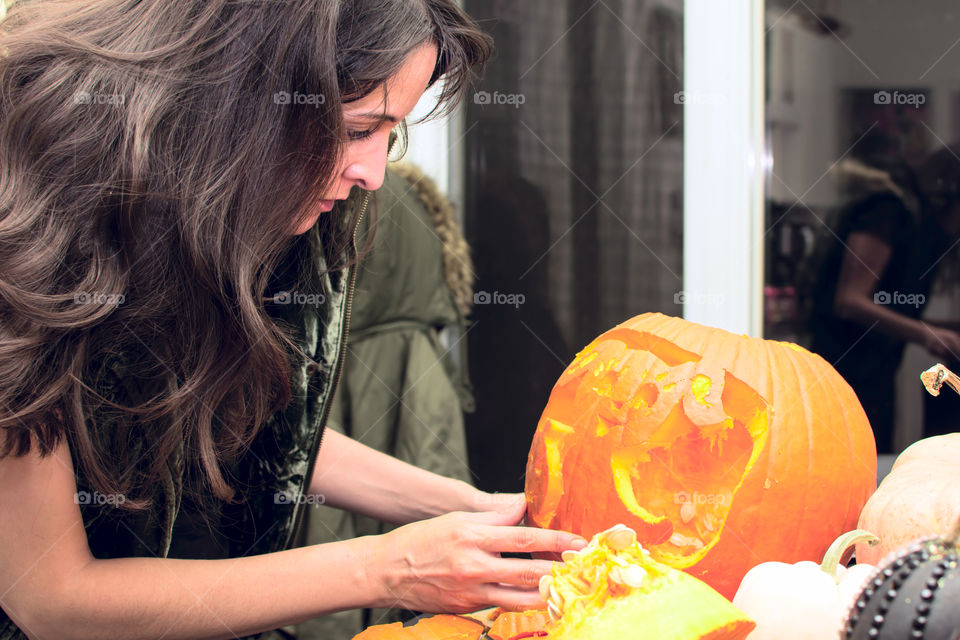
x=574, y=177
x=863, y=212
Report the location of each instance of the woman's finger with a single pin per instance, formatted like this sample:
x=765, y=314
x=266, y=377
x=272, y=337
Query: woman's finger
x=528, y=540
x=512, y=598
x=517, y=572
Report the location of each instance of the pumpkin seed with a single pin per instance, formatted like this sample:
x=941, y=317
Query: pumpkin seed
x=546, y=582
x=620, y=537
x=688, y=512
x=555, y=596
x=581, y=583
x=616, y=576
x=633, y=576
x=709, y=523
x=554, y=612
x=680, y=540
x=569, y=556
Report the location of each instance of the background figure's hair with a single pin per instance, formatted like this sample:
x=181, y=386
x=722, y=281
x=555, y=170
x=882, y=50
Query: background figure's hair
x=150, y=168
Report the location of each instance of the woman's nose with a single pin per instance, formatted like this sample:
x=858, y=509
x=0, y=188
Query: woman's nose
x=368, y=170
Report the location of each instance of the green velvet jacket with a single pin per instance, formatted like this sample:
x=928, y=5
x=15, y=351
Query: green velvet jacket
x=273, y=475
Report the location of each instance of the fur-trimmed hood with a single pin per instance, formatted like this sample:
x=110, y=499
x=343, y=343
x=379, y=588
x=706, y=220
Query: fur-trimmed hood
x=863, y=180
x=457, y=264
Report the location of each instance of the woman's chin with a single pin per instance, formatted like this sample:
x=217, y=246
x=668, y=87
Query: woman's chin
x=324, y=206
x=307, y=224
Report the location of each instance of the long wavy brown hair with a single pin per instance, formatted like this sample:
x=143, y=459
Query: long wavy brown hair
x=148, y=172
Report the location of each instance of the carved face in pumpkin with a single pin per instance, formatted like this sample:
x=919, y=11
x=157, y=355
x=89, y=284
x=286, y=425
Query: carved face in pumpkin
x=668, y=427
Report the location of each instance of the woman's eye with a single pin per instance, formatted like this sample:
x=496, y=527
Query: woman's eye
x=359, y=135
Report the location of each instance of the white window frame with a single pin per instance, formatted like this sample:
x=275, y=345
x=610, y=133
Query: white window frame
x=724, y=164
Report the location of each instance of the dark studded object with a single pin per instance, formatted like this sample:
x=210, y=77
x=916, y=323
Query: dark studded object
x=914, y=595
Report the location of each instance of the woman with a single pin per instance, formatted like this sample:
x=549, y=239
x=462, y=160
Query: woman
x=179, y=186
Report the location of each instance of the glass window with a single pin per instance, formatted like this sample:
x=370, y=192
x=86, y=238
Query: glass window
x=863, y=189
x=574, y=175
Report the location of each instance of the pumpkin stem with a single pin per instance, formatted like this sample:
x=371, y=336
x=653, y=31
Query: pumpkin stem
x=831, y=559
x=934, y=378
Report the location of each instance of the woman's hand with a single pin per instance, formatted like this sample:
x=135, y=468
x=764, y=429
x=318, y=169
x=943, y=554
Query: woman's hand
x=943, y=343
x=483, y=501
x=452, y=563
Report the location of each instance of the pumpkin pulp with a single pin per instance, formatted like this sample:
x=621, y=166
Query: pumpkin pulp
x=613, y=589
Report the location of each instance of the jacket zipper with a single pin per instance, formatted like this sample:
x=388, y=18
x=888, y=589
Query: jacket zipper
x=338, y=373
x=341, y=356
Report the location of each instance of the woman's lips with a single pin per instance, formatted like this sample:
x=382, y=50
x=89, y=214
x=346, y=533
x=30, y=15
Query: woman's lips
x=327, y=205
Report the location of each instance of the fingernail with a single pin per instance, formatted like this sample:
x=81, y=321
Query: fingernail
x=578, y=543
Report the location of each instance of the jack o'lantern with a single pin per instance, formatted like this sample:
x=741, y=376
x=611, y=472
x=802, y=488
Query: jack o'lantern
x=721, y=451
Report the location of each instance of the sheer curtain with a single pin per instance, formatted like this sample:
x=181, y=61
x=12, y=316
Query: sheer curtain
x=573, y=186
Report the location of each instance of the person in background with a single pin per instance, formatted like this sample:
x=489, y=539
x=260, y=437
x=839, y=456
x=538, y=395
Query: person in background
x=401, y=392
x=877, y=273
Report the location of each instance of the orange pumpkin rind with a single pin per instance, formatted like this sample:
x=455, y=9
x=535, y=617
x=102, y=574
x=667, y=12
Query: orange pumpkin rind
x=439, y=627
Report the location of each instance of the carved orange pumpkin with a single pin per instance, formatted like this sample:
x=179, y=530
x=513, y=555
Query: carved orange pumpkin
x=721, y=451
